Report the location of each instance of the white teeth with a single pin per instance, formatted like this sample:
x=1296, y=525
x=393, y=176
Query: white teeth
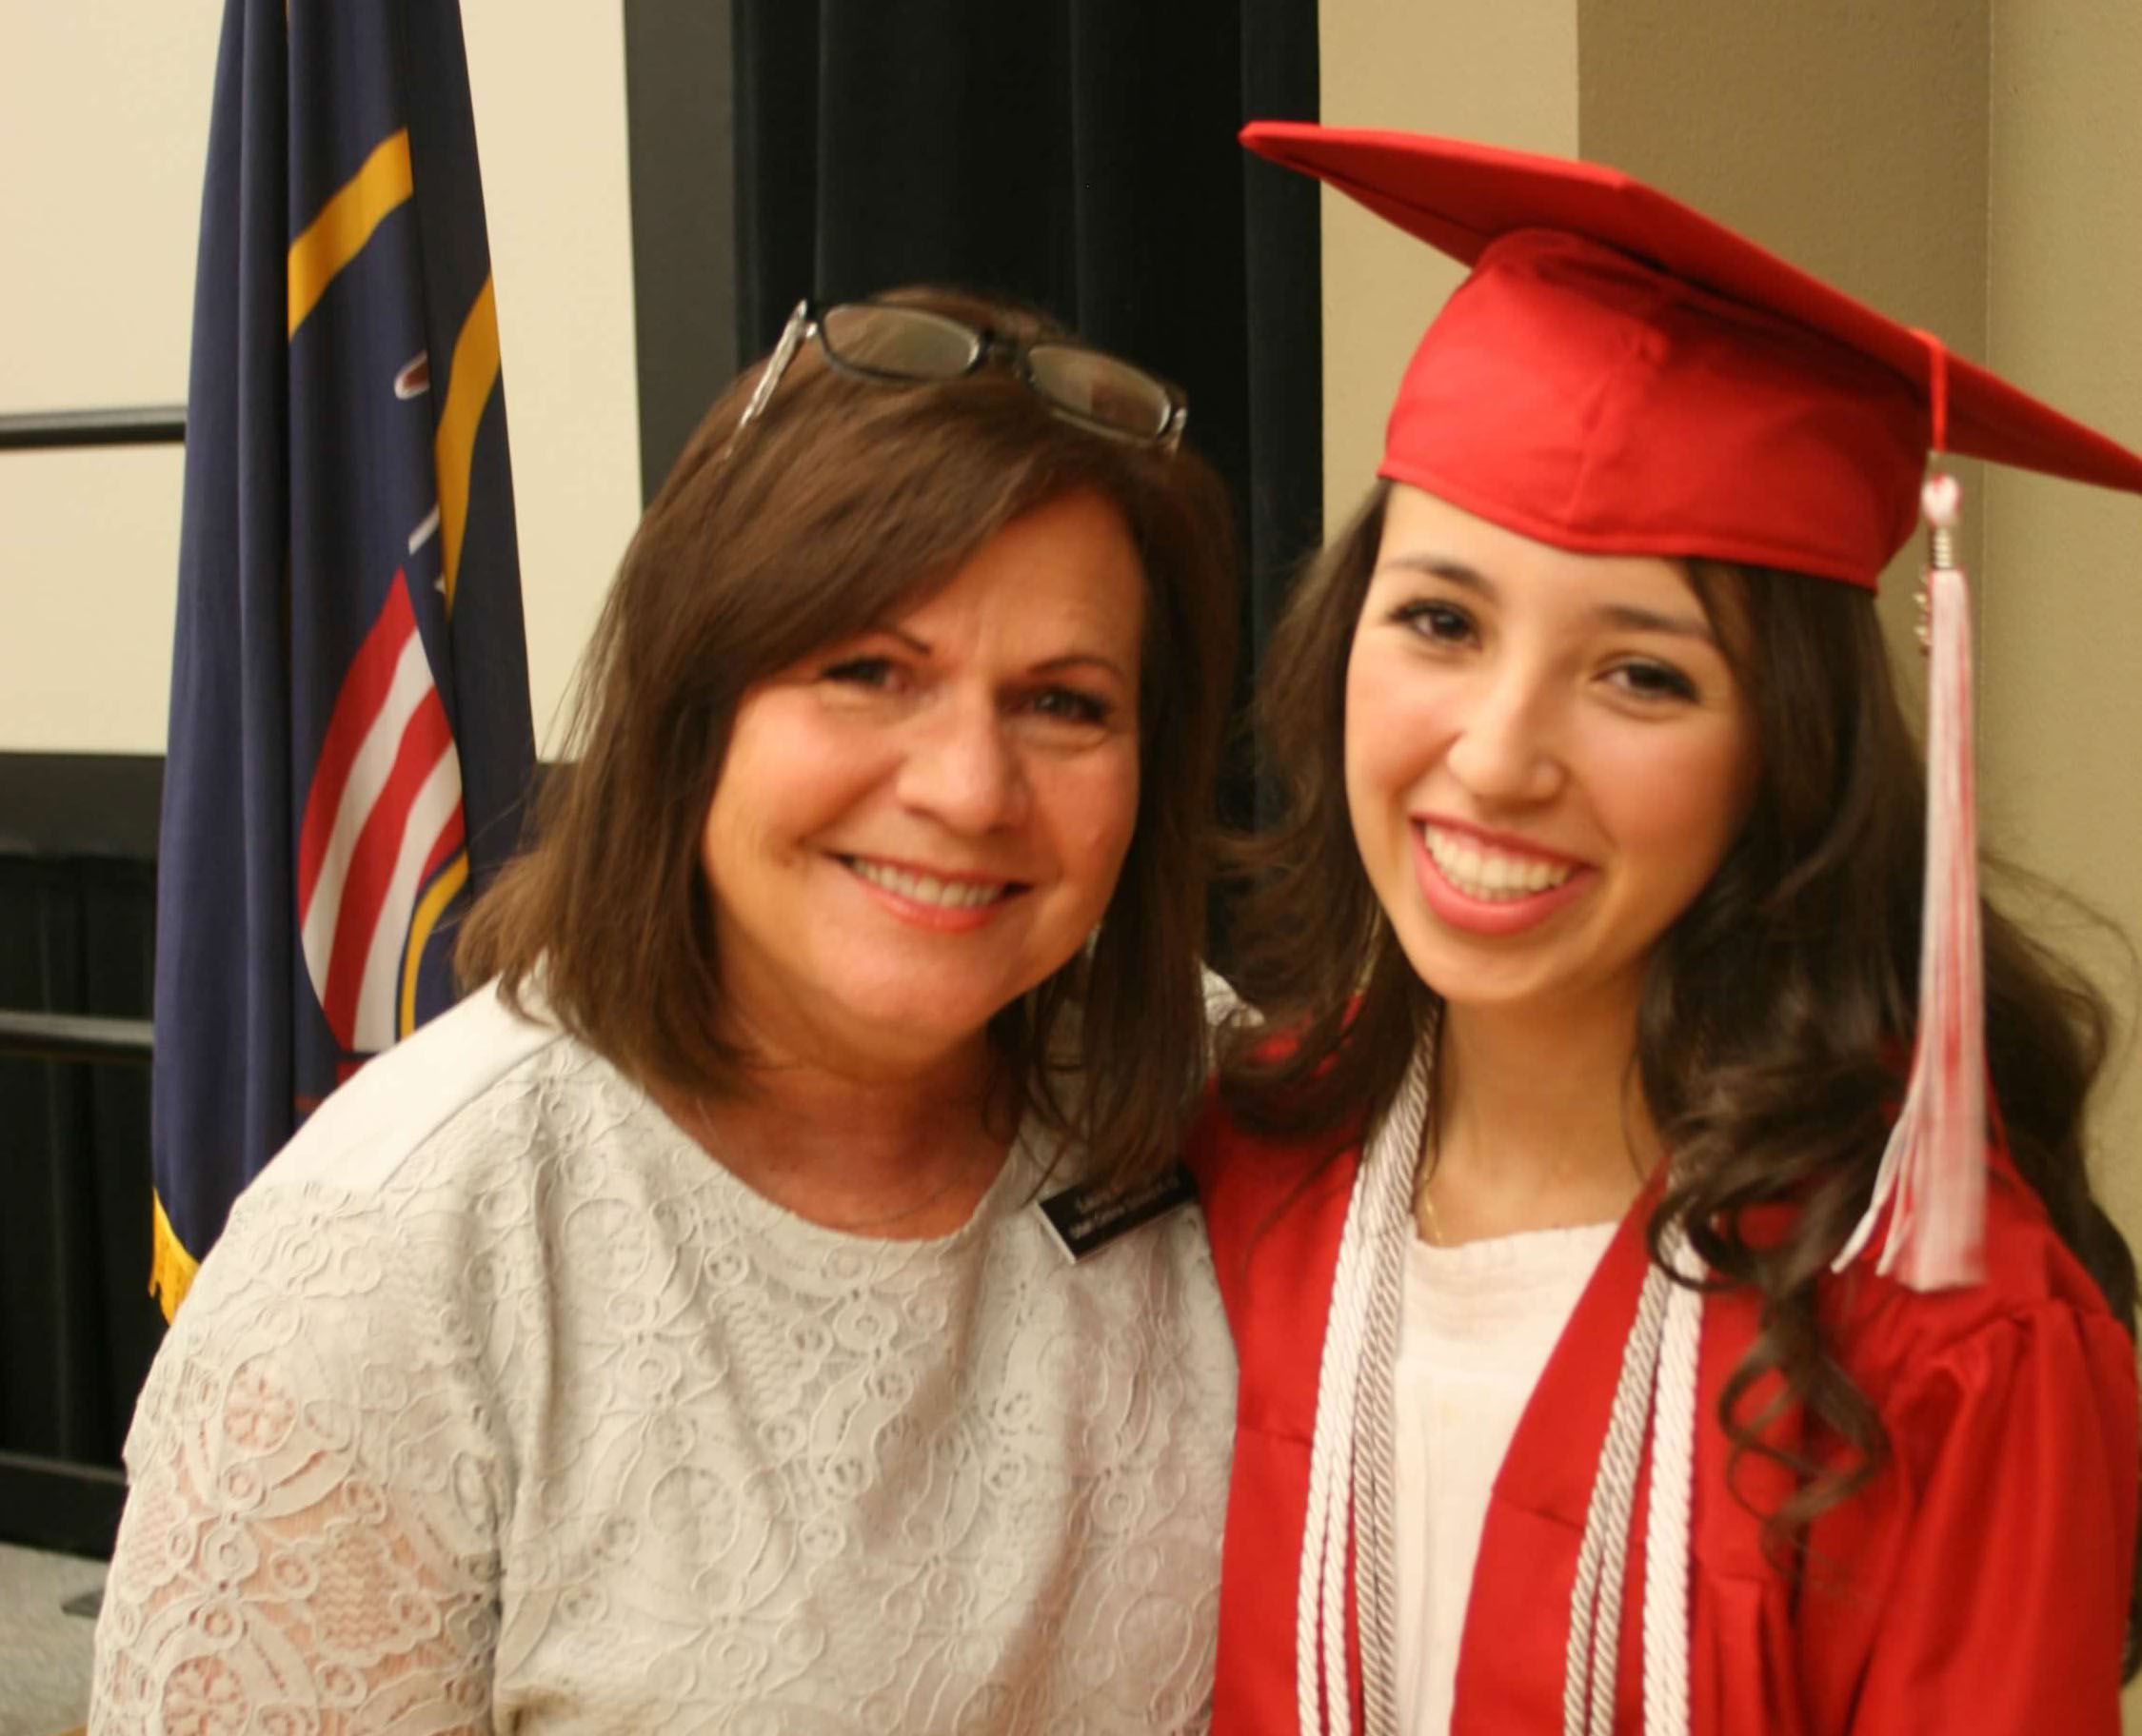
x=1479, y=870
x=928, y=889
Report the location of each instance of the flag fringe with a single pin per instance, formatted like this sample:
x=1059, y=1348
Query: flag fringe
x=171, y=1268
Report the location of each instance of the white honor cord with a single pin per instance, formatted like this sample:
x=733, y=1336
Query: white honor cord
x=1375, y=1463
x=1595, y=1622
x=1350, y=1493
x=1364, y=1311
x=1331, y=1465
x=1672, y=1481
x=1657, y=1391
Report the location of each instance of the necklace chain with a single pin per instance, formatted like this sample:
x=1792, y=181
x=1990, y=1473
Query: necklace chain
x=1425, y=1166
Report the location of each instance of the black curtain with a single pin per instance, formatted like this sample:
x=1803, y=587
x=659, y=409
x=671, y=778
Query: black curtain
x=78, y=1327
x=1080, y=154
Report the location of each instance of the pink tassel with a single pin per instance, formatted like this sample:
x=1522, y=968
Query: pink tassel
x=1932, y=1174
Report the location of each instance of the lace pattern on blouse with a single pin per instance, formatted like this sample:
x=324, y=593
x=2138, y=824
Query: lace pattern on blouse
x=555, y=1425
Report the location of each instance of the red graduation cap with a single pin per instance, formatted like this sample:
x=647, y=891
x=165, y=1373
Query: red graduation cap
x=1621, y=374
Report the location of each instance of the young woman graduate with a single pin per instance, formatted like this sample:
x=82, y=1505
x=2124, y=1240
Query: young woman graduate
x=1669, y=1293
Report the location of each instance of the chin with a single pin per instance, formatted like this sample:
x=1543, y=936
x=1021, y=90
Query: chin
x=1548, y=996
x=1467, y=975
x=928, y=1021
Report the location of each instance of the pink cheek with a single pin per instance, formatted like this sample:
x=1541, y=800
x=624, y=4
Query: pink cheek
x=1106, y=811
x=1116, y=817
x=1390, y=748
x=1676, y=800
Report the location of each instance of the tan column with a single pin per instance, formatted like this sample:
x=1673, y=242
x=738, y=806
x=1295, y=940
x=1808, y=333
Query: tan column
x=2061, y=585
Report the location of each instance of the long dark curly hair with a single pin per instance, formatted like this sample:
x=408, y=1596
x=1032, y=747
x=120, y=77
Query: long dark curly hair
x=1768, y=1028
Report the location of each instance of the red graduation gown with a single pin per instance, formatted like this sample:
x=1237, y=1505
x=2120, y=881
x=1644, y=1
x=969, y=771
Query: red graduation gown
x=1979, y=1584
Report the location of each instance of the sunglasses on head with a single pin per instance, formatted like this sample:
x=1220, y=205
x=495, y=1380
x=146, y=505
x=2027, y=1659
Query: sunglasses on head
x=899, y=345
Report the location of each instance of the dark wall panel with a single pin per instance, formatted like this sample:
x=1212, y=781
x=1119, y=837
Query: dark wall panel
x=680, y=127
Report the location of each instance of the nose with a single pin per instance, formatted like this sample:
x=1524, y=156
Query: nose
x=962, y=768
x=1507, y=749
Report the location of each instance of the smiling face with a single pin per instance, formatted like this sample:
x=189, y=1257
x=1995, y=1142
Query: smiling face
x=1547, y=756
x=915, y=826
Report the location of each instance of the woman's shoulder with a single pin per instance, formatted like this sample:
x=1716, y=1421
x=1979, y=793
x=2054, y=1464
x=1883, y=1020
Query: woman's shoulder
x=474, y=1101
x=390, y=1106
x=1232, y=1150
x=2035, y=1315
x=420, y=1174
x=1278, y=1195
x=1255, y=1129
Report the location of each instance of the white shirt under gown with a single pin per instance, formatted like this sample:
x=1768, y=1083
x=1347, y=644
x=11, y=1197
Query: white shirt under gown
x=1476, y=1326
x=501, y=1404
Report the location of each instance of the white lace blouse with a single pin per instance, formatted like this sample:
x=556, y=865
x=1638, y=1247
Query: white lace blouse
x=500, y=1404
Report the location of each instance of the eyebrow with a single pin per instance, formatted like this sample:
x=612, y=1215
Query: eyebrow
x=1070, y=659
x=1076, y=659
x=1440, y=567
x=1633, y=620
x=1626, y=616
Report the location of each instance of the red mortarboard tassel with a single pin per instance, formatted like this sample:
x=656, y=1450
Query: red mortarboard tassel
x=1932, y=1174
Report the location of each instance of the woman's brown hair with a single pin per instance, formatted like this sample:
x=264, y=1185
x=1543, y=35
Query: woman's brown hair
x=846, y=500
x=1774, y=1011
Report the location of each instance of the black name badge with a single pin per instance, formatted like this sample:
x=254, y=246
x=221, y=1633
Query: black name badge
x=1087, y=1218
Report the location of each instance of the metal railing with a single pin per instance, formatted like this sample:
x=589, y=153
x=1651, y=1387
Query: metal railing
x=73, y=1036
x=135, y=426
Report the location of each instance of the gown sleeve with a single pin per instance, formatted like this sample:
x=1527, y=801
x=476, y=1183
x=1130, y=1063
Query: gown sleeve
x=309, y=1543
x=2008, y=1547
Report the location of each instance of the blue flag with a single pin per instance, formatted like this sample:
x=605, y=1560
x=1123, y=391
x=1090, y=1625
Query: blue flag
x=349, y=735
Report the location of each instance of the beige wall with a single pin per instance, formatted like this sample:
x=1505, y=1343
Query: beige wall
x=1506, y=73
x=2061, y=589
x=1971, y=166
x=104, y=122
x=547, y=78
x=103, y=113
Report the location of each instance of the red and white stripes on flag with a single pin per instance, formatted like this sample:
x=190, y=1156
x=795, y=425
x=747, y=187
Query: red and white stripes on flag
x=384, y=815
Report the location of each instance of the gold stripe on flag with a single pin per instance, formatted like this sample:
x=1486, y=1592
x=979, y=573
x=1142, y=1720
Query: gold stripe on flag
x=436, y=898
x=453, y=451
x=346, y=222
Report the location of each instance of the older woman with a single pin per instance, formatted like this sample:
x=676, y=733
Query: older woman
x=670, y=1338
